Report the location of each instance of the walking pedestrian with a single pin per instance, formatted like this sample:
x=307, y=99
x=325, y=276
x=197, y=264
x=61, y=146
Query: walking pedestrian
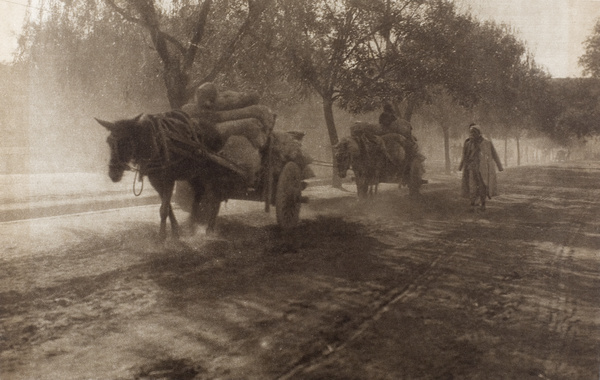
x=478, y=163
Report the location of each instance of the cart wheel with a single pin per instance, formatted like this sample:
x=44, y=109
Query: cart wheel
x=287, y=196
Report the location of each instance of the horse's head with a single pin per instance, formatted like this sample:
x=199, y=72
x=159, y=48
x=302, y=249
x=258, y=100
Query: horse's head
x=343, y=155
x=122, y=143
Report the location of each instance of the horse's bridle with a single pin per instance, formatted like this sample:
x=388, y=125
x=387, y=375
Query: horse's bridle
x=116, y=162
x=142, y=166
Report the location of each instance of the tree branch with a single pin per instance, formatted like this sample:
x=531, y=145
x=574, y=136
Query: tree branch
x=124, y=14
x=190, y=54
x=145, y=24
x=255, y=9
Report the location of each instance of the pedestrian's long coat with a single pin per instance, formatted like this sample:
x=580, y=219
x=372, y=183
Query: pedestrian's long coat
x=483, y=158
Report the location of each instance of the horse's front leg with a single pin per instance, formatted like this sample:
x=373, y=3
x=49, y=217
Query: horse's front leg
x=197, y=187
x=169, y=210
x=166, y=211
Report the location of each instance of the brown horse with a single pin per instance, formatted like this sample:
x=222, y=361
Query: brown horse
x=353, y=154
x=162, y=147
x=377, y=159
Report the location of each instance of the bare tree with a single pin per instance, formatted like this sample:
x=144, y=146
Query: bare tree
x=178, y=53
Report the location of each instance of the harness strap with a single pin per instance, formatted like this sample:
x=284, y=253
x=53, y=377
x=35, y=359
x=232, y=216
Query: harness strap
x=161, y=129
x=168, y=128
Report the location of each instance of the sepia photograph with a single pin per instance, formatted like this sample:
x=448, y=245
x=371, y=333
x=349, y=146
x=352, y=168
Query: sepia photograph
x=299, y=189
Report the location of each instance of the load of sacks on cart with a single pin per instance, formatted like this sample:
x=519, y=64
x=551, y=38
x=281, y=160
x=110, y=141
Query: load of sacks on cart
x=245, y=127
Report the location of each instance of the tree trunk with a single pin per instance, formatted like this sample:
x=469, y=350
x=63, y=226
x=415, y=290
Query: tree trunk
x=174, y=77
x=176, y=82
x=410, y=109
x=178, y=62
x=333, y=137
x=518, y=151
x=448, y=163
x=505, y=151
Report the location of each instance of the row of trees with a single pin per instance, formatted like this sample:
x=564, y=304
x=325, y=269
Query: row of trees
x=421, y=55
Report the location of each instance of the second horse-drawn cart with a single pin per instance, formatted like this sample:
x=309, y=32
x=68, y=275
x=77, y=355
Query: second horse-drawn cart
x=380, y=156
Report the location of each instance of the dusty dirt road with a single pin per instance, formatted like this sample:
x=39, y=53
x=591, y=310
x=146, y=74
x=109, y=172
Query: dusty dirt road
x=386, y=289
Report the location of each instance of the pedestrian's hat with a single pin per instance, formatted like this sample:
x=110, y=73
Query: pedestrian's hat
x=474, y=126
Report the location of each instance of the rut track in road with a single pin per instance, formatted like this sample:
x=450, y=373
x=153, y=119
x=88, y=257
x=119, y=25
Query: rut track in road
x=561, y=312
x=392, y=297
x=559, y=274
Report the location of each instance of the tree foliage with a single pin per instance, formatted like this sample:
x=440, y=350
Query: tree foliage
x=576, y=109
x=185, y=43
x=590, y=60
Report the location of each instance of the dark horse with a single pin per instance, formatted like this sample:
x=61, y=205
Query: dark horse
x=162, y=147
x=377, y=159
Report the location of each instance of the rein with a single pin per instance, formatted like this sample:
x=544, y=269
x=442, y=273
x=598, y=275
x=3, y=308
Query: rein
x=140, y=177
x=135, y=178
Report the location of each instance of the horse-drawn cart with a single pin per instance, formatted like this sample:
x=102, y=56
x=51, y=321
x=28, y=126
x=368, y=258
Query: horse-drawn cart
x=376, y=156
x=220, y=147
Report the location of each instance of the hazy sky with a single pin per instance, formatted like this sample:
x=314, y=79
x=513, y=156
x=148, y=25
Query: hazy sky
x=11, y=19
x=554, y=30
